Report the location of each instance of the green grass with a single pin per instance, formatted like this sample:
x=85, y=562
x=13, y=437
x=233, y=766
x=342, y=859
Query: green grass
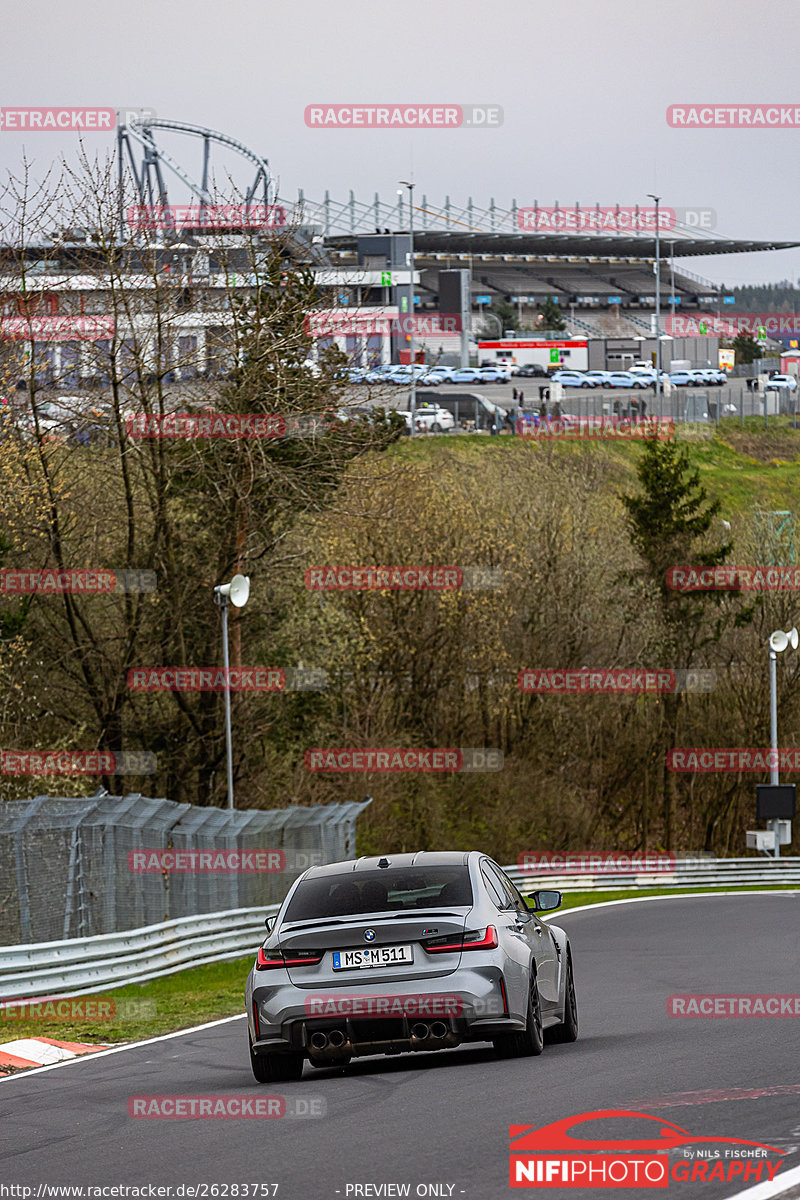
x=181, y=1000
x=207, y=993
x=576, y=899
x=745, y=466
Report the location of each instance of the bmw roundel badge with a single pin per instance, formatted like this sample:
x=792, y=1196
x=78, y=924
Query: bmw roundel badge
x=369, y=935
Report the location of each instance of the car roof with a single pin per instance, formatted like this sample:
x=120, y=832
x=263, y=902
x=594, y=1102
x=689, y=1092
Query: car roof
x=421, y=858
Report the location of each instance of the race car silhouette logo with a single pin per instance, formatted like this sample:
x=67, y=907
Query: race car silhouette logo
x=554, y=1156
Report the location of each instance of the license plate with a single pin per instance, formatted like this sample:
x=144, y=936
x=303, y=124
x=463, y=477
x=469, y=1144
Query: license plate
x=372, y=956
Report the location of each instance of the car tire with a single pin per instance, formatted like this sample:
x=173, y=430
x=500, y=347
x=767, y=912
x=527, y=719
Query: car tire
x=276, y=1068
x=567, y=1030
x=530, y=1042
x=436, y=427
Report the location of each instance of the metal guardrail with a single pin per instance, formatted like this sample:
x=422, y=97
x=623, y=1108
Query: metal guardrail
x=687, y=873
x=80, y=965
x=111, y=960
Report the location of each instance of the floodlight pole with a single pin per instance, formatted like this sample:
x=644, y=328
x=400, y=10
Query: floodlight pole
x=223, y=603
x=236, y=592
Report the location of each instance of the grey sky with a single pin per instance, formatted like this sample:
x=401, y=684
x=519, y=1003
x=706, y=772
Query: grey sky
x=584, y=86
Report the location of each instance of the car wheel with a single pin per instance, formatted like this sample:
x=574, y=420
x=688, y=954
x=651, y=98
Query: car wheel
x=276, y=1068
x=436, y=427
x=567, y=1030
x=530, y=1042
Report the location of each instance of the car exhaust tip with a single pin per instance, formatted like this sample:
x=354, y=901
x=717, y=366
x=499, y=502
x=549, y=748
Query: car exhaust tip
x=336, y=1038
x=420, y=1031
x=439, y=1029
x=319, y=1040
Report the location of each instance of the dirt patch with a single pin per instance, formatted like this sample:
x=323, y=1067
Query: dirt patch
x=782, y=444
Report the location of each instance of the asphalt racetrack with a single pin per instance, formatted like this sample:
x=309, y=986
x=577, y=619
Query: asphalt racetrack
x=439, y=1122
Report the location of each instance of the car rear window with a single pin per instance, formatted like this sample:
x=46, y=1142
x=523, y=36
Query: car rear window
x=380, y=890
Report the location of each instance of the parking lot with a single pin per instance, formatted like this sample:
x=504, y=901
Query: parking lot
x=684, y=403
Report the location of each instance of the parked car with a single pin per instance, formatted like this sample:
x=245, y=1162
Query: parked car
x=430, y=419
x=402, y=375
x=575, y=379
x=624, y=379
x=444, y=373
x=600, y=377
x=704, y=376
x=781, y=381
x=406, y=928
x=532, y=371
x=493, y=375
x=648, y=374
x=682, y=379
x=466, y=375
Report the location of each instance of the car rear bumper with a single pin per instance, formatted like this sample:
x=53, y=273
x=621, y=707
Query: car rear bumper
x=468, y=1005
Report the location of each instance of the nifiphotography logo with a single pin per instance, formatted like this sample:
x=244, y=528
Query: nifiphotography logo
x=637, y=1154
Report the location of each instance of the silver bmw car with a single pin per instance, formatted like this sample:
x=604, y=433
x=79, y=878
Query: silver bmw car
x=407, y=952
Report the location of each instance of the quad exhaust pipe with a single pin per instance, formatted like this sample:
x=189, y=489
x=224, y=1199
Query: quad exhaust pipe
x=333, y=1045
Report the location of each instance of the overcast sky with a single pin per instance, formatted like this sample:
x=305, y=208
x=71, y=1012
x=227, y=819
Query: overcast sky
x=584, y=86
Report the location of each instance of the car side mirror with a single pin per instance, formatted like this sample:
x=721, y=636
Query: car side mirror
x=545, y=901
x=269, y=923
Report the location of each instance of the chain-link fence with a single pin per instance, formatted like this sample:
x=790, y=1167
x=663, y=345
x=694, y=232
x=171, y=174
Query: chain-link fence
x=74, y=867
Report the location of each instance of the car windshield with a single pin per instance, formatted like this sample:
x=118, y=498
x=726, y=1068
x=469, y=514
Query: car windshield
x=380, y=890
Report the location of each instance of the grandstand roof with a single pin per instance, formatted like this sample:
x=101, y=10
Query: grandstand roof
x=544, y=245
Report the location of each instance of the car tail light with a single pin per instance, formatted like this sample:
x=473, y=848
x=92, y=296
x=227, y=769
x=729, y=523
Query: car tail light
x=269, y=959
x=474, y=939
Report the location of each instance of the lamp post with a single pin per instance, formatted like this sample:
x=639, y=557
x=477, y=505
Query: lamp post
x=778, y=641
x=237, y=592
x=412, y=288
x=659, y=393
